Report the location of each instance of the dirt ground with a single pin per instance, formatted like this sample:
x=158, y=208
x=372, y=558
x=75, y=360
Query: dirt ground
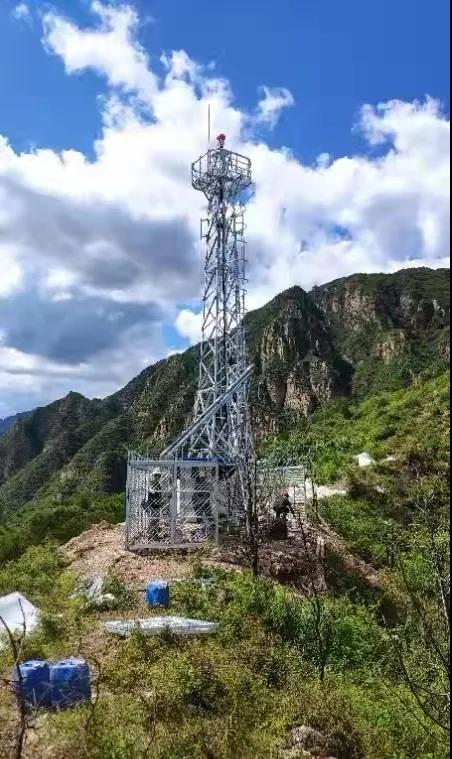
x=100, y=551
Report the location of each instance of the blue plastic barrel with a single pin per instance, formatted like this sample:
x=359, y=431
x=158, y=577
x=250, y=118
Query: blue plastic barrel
x=70, y=683
x=33, y=685
x=158, y=594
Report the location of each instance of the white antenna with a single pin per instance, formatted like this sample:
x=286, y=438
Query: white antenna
x=208, y=128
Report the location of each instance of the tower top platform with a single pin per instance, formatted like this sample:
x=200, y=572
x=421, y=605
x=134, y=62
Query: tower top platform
x=221, y=170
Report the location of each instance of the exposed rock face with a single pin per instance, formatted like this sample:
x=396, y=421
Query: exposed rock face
x=388, y=320
x=391, y=346
x=409, y=299
x=298, y=366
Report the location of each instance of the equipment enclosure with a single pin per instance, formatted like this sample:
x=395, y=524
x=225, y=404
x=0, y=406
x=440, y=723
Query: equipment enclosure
x=181, y=504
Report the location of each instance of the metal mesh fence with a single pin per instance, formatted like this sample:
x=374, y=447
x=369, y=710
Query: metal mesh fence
x=181, y=504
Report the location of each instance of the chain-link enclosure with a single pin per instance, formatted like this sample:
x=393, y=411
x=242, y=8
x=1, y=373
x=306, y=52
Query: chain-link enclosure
x=181, y=504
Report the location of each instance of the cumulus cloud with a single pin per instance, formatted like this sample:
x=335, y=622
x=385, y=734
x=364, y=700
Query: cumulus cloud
x=69, y=330
x=97, y=254
x=109, y=49
x=28, y=380
x=100, y=244
x=272, y=104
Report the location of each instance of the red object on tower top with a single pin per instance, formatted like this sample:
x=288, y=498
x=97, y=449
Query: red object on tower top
x=221, y=139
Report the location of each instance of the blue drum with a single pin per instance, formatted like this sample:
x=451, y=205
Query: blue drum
x=33, y=685
x=158, y=594
x=70, y=683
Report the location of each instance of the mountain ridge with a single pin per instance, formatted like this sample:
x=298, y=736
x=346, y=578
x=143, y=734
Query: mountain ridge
x=6, y=423
x=344, y=339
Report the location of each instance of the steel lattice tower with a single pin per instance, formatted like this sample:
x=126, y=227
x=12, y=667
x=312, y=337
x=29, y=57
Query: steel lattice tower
x=202, y=487
x=220, y=426
x=223, y=177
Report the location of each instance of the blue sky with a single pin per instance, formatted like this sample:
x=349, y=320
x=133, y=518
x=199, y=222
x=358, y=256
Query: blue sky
x=333, y=56
x=100, y=240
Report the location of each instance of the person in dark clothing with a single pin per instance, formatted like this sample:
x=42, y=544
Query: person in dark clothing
x=154, y=499
x=282, y=506
x=153, y=506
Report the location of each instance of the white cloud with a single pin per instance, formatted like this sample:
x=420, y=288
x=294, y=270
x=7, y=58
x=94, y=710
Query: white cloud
x=189, y=325
x=111, y=49
x=22, y=12
x=123, y=227
x=27, y=380
x=10, y=271
x=272, y=104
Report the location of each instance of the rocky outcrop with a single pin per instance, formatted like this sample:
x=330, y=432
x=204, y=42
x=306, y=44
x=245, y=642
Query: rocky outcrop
x=298, y=366
x=411, y=299
x=390, y=327
x=390, y=346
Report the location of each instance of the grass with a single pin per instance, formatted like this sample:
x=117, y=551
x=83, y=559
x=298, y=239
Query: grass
x=277, y=660
x=409, y=422
x=234, y=694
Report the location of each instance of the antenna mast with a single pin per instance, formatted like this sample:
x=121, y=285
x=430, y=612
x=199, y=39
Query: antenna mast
x=222, y=176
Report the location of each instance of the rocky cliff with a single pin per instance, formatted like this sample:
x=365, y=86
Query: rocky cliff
x=298, y=365
x=389, y=327
x=351, y=336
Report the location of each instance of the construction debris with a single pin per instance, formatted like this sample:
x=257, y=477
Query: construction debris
x=328, y=491
x=91, y=589
x=158, y=625
x=303, y=739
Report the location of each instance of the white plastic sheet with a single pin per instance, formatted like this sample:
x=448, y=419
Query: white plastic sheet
x=16, y=611
x=157, y=625
x=364, y=459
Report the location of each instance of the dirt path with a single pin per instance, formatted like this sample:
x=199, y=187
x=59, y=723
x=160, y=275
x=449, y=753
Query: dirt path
x=100, y=551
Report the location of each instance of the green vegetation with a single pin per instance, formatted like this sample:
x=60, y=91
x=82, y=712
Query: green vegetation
x=54, y=522
x=366, y=665
x=407, y=433
x=237, y=693
x=411, y=423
